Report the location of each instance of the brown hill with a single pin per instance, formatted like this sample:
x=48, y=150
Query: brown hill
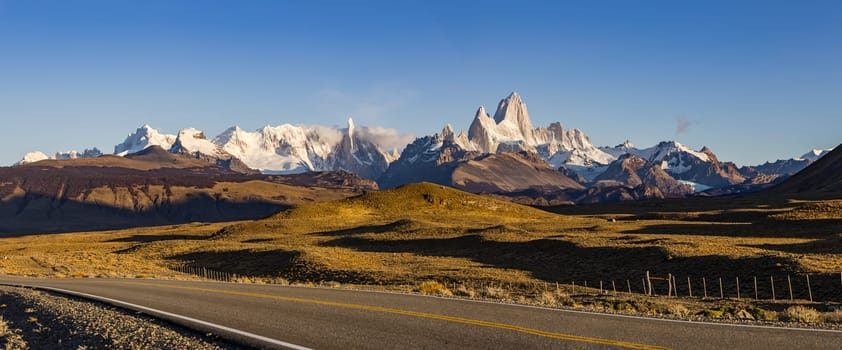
x=151, y=158
x=500, y=173
x=632, y=171
x=507, y=173
x=416, y=207
x=151, y=188
x=822, y=179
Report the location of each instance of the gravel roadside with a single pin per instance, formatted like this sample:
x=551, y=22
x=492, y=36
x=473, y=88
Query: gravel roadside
x=32, y=319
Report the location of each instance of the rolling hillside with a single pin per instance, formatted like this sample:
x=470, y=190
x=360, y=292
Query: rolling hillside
x=153, y=187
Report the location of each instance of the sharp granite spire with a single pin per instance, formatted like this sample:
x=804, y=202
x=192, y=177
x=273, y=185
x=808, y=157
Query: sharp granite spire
x=351, y=131
x=512, y=114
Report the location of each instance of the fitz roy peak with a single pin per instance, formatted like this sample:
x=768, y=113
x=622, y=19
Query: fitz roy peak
x=511, y=130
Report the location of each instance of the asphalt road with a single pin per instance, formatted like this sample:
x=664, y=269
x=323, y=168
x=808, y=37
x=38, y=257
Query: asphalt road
x=343, y=319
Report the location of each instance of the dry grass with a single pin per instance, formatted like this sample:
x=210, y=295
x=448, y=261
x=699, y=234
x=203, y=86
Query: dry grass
x=434, y=288
x=496, y=250
x=834, y=316
x=803, y=314
x=678, y=310
x=4, y=328
x=497, y=293
x=555, y=298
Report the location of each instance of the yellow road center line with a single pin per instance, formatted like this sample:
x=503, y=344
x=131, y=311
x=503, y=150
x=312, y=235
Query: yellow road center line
x=532, y=331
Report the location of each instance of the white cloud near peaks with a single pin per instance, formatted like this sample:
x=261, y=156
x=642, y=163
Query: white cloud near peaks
x=387, y=138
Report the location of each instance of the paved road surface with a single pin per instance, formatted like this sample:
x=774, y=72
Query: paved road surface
x=343, y=319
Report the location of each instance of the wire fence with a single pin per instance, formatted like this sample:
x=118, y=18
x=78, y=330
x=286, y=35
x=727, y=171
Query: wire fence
x=785, y=287
x=809, y=287
x=208, y=274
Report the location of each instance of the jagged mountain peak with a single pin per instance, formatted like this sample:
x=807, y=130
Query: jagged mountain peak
x=815, y=154
x=351, y=131
x=481, y=113
x=665, y=149
x=447, y=133
x=512, y=118
x=513, y=100
x=192, y=141
x=143, y=137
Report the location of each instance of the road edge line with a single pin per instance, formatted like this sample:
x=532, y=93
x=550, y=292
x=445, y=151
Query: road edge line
x=181, y=320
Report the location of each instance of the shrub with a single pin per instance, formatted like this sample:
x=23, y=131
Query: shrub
x=465, y=292
x=555, y=298
x=624, y=307
x=434, y=288
x=548, y=298
x=495, y=293
x=678, y=310
x=765, y=315
x=802, y=314
x=711, y=313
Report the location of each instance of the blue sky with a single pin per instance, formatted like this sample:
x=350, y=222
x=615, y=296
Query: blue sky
x=753, y=80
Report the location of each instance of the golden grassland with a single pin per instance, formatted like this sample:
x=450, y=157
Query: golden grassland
x=476, y=246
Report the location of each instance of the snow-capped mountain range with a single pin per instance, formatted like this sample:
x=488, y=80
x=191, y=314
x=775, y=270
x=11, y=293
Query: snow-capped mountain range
x=570, y=150
x=284, y=149
x=32, y=157
x=384, y=155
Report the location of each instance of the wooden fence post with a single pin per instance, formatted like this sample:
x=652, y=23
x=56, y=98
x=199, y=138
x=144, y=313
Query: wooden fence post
x=705, y=287
x=755, y=288
x=645, y=291
x=669, y=285
x=573, y=291
x=675, y=286
x=809, y=289
x=789, y=282
x=613, y=286
x=738, y=288
x=689, y=287
x=649, y=283
x=629, y=285
x=600, y=287
x=772, y=279
x=721, y=293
